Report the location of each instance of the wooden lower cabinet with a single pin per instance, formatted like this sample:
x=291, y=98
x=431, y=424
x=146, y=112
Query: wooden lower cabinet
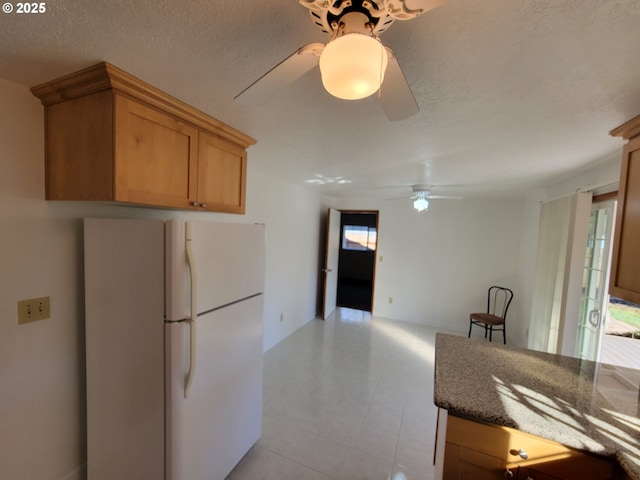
x=475, y=450
x=464, y=463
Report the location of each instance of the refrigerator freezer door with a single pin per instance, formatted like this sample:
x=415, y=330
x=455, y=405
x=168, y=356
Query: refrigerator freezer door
x=124, y=331
x=229, y=259
x=211, y=430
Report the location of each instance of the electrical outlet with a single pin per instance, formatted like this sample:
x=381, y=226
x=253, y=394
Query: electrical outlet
x=33, y=309
x=281, y=317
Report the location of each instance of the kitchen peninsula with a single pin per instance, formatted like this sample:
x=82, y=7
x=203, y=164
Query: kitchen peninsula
x=570, y=413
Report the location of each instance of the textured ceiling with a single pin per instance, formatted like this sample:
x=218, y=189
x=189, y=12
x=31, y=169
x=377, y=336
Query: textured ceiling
x=513, y=94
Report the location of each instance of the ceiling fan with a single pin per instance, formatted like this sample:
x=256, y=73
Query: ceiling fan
x=354, y=63
x=422, y=194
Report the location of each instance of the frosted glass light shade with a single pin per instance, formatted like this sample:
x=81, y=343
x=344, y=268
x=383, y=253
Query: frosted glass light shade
x=421, y=204
x=352, y=66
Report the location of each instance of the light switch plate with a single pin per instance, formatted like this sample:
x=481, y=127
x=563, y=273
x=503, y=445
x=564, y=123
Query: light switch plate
x=33, y=309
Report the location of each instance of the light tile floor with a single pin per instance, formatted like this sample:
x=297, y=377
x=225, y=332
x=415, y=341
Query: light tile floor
x=348, y=398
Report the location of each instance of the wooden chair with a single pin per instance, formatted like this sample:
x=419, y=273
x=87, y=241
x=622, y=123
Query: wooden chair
x=498, y=301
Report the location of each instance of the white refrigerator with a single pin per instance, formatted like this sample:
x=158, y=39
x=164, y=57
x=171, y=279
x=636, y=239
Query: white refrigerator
x=173, y=336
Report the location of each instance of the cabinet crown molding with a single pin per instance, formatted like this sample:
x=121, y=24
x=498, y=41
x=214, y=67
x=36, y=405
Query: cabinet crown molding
x=628, y=129
x=104, y=76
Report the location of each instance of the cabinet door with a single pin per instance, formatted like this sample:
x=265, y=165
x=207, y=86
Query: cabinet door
x=222, y=173
x=156, y=157
x=465, y=464
x=625, y=268
x=516, y=449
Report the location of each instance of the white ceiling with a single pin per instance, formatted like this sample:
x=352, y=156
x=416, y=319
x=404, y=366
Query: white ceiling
x=513, y=94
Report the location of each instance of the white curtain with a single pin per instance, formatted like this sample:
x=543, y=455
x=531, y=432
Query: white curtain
x=562, y=240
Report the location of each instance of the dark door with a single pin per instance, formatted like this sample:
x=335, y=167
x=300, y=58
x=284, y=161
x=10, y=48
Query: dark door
x=357, y=259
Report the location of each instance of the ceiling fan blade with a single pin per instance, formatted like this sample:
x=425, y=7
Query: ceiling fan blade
x=444, y=197
x=399, y=10
x=283, y=74
x=396, y=97
x=404, y=197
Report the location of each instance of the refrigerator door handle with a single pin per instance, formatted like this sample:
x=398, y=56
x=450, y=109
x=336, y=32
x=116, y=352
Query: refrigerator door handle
x=191, y=320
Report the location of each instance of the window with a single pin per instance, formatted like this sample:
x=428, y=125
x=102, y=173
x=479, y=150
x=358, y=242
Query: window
x=357, y=237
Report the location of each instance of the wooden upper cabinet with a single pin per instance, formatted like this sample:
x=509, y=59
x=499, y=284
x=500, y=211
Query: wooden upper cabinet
x=111, y=137
x=625, y=266
x=79, y=150
x=156, y=157
x=222, y=173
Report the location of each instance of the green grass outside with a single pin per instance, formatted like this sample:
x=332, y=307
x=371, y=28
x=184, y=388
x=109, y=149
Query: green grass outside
x=626, y=314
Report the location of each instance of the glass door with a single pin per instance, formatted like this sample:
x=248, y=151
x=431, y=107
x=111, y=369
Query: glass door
x=595, y=281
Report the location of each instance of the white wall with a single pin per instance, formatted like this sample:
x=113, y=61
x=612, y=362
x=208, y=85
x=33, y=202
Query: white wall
x=438, y=266
x=294, y=218
x=42, y=431
x=41, y=401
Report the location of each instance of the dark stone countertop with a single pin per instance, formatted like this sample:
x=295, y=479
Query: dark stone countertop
x=581, y=404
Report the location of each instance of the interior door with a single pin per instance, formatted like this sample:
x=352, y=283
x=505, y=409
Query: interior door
x=595, y=281
x=330, y=269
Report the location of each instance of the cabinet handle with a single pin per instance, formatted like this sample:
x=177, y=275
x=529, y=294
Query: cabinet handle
x=203, y=205
x=194, y=204
x=521, y=453
x=508, y=473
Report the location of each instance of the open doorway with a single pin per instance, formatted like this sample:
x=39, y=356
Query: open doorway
x=609, y=328
x=621, y=344
x=357, y=259
x=347, y=273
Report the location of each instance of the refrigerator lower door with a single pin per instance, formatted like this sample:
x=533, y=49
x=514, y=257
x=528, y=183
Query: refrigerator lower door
x=211, y=430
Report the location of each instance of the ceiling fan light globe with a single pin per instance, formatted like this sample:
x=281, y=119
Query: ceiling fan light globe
x=352, y=66
x=421, y=204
